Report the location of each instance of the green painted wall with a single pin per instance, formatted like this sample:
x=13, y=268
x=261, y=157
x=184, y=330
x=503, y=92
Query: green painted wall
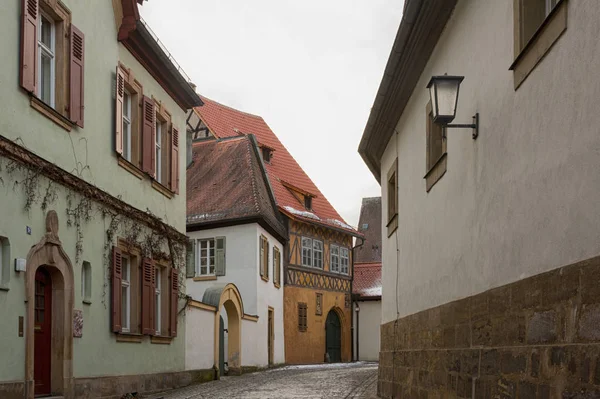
x=97, y=353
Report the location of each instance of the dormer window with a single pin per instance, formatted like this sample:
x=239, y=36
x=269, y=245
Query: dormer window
x=267, y=153
x=308, y=202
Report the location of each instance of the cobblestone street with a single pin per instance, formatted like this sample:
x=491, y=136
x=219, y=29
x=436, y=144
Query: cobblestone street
x=355, y=380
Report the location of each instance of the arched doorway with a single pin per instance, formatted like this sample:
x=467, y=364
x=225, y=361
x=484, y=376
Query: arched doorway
x=49, y=316
x=228, y=301
x=333, y=337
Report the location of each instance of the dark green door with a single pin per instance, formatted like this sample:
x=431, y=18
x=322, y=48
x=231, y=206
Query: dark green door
x=221, y=347
x=333, y=334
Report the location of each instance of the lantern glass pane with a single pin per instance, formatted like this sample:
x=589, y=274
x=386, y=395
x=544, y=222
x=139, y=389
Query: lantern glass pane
x=447, y=90
x=433, y=99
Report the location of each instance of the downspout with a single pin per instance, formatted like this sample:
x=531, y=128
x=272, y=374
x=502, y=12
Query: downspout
x=362, y=242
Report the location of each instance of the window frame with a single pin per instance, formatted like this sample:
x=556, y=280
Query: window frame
x=51, y=53
x=128, y=120
x=198, y=271
x=529, y=53
x=276, y=266
x=309, y=251
x=392, y=198
x=264, y=257
x=126, y=283
x=302, y=316
x=436, y=166
x=86, y=282
x=158, y=300
x=333, y=256
x=319, y=251
x=344, y=260
x=158, y=151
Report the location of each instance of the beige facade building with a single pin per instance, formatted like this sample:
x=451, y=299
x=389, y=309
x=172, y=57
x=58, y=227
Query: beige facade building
x=92, y=215
x=490, y=246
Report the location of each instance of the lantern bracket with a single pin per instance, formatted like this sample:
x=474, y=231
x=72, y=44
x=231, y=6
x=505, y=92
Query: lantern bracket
x=474, y=125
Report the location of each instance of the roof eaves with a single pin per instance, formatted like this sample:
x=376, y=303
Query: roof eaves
x=422, y=24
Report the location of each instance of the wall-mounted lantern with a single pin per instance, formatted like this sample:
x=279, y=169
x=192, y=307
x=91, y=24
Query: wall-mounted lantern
x=443, y=92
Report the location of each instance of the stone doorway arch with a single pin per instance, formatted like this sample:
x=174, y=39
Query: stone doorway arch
x=227, y=296
x=49, y=254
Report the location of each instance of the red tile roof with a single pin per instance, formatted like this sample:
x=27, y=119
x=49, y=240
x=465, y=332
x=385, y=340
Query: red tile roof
x=225, y=183
x=224, y=121
x=367, y=280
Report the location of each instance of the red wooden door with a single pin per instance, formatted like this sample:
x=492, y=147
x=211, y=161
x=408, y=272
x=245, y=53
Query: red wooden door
x=42, y=328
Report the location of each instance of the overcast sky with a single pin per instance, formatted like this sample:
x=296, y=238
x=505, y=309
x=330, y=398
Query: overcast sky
x=310, y=68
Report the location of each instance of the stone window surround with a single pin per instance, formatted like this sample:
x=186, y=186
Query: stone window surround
x=4, y=263
x=527, y=57
x=392, y=198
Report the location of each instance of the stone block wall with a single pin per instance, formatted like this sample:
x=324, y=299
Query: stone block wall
x=535, y=338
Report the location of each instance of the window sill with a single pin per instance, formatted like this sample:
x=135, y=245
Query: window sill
x=87, y=301
x=392, y=225
x=205, y=278
x=162, y=189
x=250, y=317
x=277, y=285
x=158, y=339
x=435, y=173
x=131, y=168
x=51, y=113
x=127, y=337
x=542, y=41
x=264, y=278
x=4, y=287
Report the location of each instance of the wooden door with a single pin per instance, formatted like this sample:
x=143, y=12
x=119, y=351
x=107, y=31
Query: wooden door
x=42, y=329
x=270, y=336
x=333, y=337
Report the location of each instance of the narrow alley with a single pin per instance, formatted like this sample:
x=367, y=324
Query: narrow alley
x=349, y=380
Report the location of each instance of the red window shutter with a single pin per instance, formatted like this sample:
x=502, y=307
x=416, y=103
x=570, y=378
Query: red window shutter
x=117, y=273
x=76, y=76
x=175, y=161
x=174, y=301
x=147, y=296
x=120, y=93
x=29, y=28
x=149, y=136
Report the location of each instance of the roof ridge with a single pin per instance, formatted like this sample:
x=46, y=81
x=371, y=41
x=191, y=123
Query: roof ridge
x=228, y=107
x=252, y=175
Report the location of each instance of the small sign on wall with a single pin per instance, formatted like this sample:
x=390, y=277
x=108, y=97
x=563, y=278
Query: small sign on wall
x=77, y=323
x=319, y=305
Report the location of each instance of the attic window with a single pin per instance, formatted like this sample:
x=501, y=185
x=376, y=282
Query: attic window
x=308, y=202
x=266, y=154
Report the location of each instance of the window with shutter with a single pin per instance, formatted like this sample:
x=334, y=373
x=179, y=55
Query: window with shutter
x=128, y=115
x=174, y=181
x=148, y=288
x=276, y=267
x=148, y=136
x=220, y=256
x=117, y=270
x=264, y=258
x=174, y=301
x=76, y=104
x=29, y=38
x=122, y=131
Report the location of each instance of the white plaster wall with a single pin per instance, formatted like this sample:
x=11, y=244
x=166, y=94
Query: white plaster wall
x=522, y=198
x=242, y=260
x=369, y=320
x=240, y=254
x=199, y=339
x=270, y=295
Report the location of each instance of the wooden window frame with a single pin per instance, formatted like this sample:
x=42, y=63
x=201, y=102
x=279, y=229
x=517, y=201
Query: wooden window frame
x=392, y=198
x=320, y=251
x=264, y=257
x=163, y=165
x=198, y=272
x=276, y=267
x=57, y=112
x=529, y=54
x=335, y=256
x=136, y=92
x=126, y=283
x=436, y=166
x=309, y=249
x=158, y=311
x=135, y=315
x=302, y=317
x=344, y=257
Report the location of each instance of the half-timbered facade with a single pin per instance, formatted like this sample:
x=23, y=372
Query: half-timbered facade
x=92, y=214
x=318, y=254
